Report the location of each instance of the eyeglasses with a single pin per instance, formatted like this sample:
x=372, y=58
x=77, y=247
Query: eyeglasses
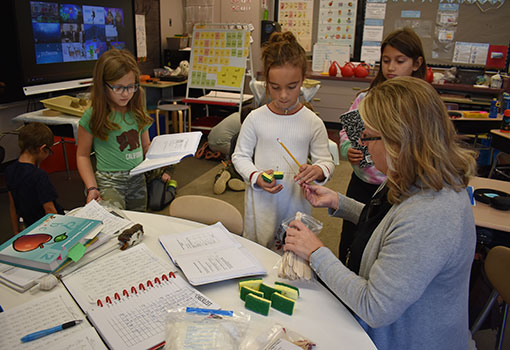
x=119, y=89
x=372, y=138
x=50, y=151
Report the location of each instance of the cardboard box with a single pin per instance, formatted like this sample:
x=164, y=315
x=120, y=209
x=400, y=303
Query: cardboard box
x=177, y=42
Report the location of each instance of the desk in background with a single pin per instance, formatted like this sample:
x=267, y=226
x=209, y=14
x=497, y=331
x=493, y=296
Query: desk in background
x=318, y=314
x=157, y=90
x=492, y=225
x=476, y=125
x=63, y=125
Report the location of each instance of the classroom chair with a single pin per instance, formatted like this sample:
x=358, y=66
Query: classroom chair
x=207, y=210
x=496, y=266
x=179, y=114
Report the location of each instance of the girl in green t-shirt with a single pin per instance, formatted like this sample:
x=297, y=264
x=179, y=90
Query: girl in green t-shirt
x=116, y=127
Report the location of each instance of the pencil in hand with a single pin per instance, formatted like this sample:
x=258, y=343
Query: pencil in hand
x=286, y=149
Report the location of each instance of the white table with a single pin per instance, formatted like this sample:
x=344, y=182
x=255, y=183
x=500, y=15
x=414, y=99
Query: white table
x=59, y=120
x=318, y=315
x=62, y=119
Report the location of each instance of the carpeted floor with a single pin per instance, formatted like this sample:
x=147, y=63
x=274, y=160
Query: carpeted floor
x=196, y=176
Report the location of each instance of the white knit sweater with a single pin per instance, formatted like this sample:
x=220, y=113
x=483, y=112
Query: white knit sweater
x=257, y=150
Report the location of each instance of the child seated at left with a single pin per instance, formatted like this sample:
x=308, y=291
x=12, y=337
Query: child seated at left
x=31, y=194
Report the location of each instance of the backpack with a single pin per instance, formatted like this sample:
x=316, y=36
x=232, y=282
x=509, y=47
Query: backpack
x=160, y=194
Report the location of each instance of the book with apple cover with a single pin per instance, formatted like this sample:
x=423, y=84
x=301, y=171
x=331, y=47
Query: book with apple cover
x=45, y=245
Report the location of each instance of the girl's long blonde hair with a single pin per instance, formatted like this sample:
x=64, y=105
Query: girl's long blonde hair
x=111, y=66
x=420, y=140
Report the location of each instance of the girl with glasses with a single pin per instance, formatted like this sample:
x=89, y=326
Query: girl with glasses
x=116, y=128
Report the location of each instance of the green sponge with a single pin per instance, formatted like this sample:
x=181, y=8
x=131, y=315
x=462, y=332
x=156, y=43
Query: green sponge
x=287, y=290
x=278, y=175
x=250, y=282
x=257, y=304
x=247, y=290
x=266, y=177
x=267, y=290
x=282, y=303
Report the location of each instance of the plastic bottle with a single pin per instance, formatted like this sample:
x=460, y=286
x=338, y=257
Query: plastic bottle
x=505, y=124
x=493, y=112
x=506, y=101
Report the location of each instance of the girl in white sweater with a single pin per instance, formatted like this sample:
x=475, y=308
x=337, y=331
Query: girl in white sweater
x=267, y=204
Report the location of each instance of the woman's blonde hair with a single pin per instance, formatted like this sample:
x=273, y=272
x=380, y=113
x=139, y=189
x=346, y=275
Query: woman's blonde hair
x=111, y=66
x=420, y=140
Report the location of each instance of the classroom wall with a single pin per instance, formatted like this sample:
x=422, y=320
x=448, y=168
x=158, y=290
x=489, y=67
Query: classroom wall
x=157, y=30
x=223, y=12
x=172, y=19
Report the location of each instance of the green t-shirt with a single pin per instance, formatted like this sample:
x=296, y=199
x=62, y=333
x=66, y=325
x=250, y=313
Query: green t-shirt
x=122, y=151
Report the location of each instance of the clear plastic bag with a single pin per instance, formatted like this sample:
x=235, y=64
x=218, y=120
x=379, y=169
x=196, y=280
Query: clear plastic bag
x=290, y=265
x=195, y=328
x=279, y=337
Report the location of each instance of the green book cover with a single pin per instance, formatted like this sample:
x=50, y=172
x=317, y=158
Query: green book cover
x=45, y=245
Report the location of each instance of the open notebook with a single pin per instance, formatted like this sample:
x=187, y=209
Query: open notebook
x=126, y=296
x=210, y=254
x=48, y=310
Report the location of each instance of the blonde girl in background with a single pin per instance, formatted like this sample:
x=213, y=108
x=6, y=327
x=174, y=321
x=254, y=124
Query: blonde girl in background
x=267, y=204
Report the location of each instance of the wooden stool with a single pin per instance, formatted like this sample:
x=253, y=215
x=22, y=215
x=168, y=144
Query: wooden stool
x=178, y=111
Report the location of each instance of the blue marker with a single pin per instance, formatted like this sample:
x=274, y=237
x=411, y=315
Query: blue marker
x=45, y=332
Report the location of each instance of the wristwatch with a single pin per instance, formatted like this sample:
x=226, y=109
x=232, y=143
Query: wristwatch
x=92, y=189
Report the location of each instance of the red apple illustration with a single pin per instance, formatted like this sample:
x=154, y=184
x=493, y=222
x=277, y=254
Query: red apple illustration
x=28, y=243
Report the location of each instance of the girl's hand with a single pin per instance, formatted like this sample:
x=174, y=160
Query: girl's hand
x=354, y=156
x=271, y=187
x=320, y=196
x=308, y=173
x=166, y=177
x=301, y=240
x=94, y=194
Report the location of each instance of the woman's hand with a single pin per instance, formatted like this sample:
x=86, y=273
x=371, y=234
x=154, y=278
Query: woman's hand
x=301, y=240
x=320, y=196
x=354, y=156
x=271, y=187
x=308, y=173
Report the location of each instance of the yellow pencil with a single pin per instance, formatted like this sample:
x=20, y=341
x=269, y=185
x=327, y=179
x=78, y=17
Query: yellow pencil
x=290, y=154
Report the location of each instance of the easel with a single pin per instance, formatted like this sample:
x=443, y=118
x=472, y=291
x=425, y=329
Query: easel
x=218, y=60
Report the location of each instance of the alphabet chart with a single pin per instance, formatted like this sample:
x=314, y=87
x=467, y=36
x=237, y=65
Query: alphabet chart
x=218, y=58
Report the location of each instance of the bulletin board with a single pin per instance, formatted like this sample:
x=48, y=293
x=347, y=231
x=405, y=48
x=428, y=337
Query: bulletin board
x=476, y=23
x=218, y=58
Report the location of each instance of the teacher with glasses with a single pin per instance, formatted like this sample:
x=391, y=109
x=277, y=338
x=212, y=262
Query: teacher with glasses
x=406, y=277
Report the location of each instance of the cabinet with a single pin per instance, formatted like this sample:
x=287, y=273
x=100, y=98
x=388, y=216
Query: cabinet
x=336, y=95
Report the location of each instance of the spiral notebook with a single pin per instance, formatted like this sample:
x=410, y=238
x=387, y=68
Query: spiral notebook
x=126, y=297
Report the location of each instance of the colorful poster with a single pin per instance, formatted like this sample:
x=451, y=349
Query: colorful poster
x=218, y=58
x=297, y=16
x=337, y=22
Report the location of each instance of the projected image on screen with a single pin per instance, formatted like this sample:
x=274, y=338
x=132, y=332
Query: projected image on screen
x=70, y=32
